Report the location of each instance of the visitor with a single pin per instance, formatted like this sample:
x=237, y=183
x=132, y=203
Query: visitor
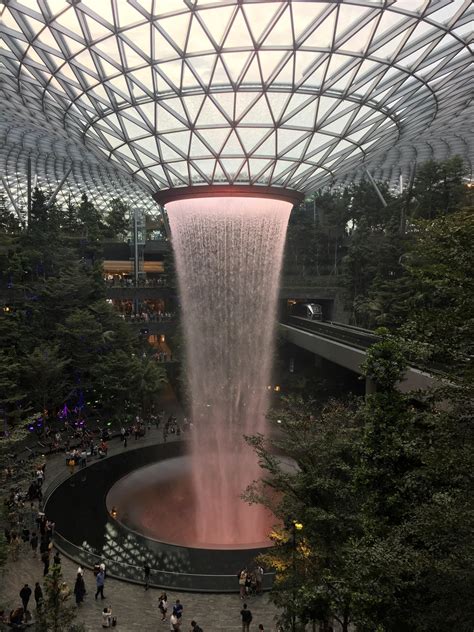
x=195, y=627
x=258, y=579
x=175, y=622
x=45, y=560
x=57, y=559
x=38, y=596
x=260, y=627
x=79, y=589
x=146, y=573
x=25, y=594
x=107, y=617
x=242, y=577
x=246, y=618
x=34, y=543
x=163, y=605
x=100, y=582
x=16, y=617
x=178, y=609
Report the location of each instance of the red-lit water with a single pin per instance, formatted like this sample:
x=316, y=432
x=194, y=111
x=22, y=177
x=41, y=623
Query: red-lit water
x=228, y=254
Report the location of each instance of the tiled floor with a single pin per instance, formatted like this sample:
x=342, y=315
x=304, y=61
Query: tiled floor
x=135, y=608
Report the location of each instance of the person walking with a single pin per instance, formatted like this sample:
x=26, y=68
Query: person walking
x=246, y=618
x=100, y=582
x=178, y=609
x=163, y=605
x=57, y=559
x=79, y=589
x=45, y=560
x=25, y=594
x=195, y=627
x=175, y=622
x=34, y=543
x=146, y=573
x=38, y=596
x=242, y=577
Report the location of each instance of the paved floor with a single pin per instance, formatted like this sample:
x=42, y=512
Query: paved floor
x=135, y=608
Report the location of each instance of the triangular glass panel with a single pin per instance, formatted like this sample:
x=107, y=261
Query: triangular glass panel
x=285, y=74
x=198, y=148
x=235, y=64
x=219, y=175
x=252, y=74
x=259, y=16
x=268, y=147
x=269, y=62
x=238, y=35
x=251, y=137
x=108, y=49
x=305, y=117
x=180, y=140
x=323, y=35
x=232, y=146
x=210, y=115
x=198, y=40
x=206, y=166
x=281, y=166
x=220, y=76
x=304, y=61
x=258, y=113
x=217, y=20
x=296, y=152
x=132, y=58
x=192, y=104
x=176, y=28
x=190, y=80
x=388, y=50
x=132, y=129
x=172, y=70
x=168, y=153
x=286, y=137
x=162, y=49
x=280, y=33
x=304, y=14
x=278, y=102
x=215, y=137
x=358, y=42
x=257, y=166
x=232, y=166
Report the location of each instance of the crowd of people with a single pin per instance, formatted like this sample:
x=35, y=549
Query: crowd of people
x=30, y=532
x=126, y=281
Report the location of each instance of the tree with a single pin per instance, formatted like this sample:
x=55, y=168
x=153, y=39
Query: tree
x=439, y=188
x=117, y=221
x=45, y=377
x=57, y=614
x=312, y=583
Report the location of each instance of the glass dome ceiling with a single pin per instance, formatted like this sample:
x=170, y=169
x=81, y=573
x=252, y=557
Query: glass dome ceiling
x=163, y=94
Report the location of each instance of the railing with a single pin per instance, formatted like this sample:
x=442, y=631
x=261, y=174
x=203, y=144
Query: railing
x=189, y=582
x=353, y=336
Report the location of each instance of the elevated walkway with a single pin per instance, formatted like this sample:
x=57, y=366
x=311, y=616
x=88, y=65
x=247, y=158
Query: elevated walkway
x=346, y=346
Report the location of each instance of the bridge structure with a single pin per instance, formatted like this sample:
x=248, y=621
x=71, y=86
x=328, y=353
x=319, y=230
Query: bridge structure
x=346, y=346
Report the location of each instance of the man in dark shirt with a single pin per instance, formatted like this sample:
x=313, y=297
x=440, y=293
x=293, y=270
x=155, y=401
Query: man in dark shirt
x=25, y=594
x=195, y=627
x=246, y=618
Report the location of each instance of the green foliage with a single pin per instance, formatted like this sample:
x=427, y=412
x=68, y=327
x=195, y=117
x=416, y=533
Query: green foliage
x=117, y=220
x=439, y=188
x=57, y=613
x=61, y=341
x=384, y=491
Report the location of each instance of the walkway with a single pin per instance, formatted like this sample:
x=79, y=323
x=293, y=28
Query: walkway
x=135, y=608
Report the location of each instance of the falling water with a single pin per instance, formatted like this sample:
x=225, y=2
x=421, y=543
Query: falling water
x=228, y=253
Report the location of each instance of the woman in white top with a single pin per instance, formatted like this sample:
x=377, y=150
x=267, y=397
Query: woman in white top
x=106, y=617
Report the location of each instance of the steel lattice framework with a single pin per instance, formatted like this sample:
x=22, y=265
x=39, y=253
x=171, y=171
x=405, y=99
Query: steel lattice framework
x=168, y=93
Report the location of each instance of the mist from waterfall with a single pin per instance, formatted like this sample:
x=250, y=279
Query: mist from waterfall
x=228, y=254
